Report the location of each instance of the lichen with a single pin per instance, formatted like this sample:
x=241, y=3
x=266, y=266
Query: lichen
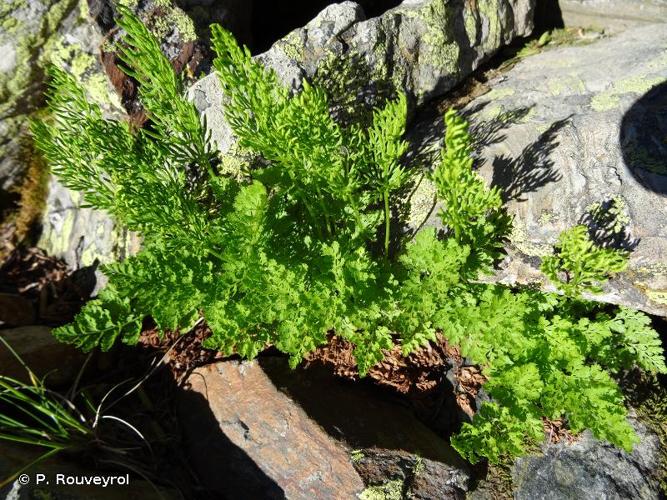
x=610, y=98
x=174, y=18
x=519, y=239
x=292, y=46
x=391, y=490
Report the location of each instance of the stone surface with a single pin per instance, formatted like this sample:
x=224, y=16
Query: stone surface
x=423, y=47
x=302, y=433
x=81, y=236
x=261, y=444
x=41, y=352
x=576, y=135
x=590, y=469
x=613, y=15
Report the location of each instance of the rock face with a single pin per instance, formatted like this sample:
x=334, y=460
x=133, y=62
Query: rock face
x=302, y=433
x=423, y=47
x=613, y=15
x=81, y=236
x=263, y=445
x=590, y=469
x=576, y=135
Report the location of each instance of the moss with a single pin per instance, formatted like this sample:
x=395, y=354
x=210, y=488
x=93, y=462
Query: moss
x=610, y=98
x=391, y=490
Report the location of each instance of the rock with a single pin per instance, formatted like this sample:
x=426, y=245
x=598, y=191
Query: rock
x=14, y=457
x=613, y=15
x=82, y=236
x=423, y=47
x=16, y=310
x=42, y=353
x=592, y=469
x=255, y=442
x=303, y=433
x=388, y=445
x=576, y=135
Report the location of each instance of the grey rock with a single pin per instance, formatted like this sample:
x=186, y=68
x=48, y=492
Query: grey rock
x=590, y=469
x=576, y=135
x=422, y=47
x=613, y=15
x=82, y=236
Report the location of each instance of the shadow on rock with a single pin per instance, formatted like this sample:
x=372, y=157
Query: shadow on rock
x=223, y=469
x=607, y=225
x=643, y=139
x=532, y=169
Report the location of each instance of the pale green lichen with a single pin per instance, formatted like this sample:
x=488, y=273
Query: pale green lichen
x=391, y=490
x=612, y=215
x=610, y=98
x=564, y=83
x=546, y=217
x=174, y=18
x=292, y=46
x=519, y=239
x=422, y=202
x=657, y=296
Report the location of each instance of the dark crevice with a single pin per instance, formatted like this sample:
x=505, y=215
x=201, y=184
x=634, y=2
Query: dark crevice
x=272, y=20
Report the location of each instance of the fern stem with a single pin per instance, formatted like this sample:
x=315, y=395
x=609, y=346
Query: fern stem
x=387, y=221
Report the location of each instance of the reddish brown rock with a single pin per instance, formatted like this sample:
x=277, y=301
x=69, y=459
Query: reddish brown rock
x=247, y=438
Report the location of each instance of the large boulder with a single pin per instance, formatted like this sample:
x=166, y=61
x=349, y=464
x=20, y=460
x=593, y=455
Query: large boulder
x=590, y=468
x=422, y=47
x=576, y=135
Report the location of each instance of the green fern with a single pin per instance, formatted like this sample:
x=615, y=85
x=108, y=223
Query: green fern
x=307, y=241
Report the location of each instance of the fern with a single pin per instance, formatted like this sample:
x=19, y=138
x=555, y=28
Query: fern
x=308, y=240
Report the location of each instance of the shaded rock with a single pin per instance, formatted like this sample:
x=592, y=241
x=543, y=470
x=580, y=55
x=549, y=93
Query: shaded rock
x=613, y=15
x=16, y=310
x=386, y=442
x=576, y=135
x=41, y=352
x=590, y=469
x=260, y=444
x=14, y=457
x=422, y=47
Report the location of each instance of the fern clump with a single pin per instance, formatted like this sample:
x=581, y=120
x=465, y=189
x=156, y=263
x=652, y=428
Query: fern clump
x=309, y=241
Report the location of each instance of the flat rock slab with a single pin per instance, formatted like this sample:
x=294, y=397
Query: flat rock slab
x=577, y=135
x=613, y=15
x=247, y=438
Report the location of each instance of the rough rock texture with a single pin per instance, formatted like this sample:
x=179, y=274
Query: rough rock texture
x=302, y=433
x=576, y=135
x=41, y=352
x=34, y=33
x=613, y=15
x=388, y=445
x=255, y=442
x=590, y=469
x=81, y=236
x=424, y=47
